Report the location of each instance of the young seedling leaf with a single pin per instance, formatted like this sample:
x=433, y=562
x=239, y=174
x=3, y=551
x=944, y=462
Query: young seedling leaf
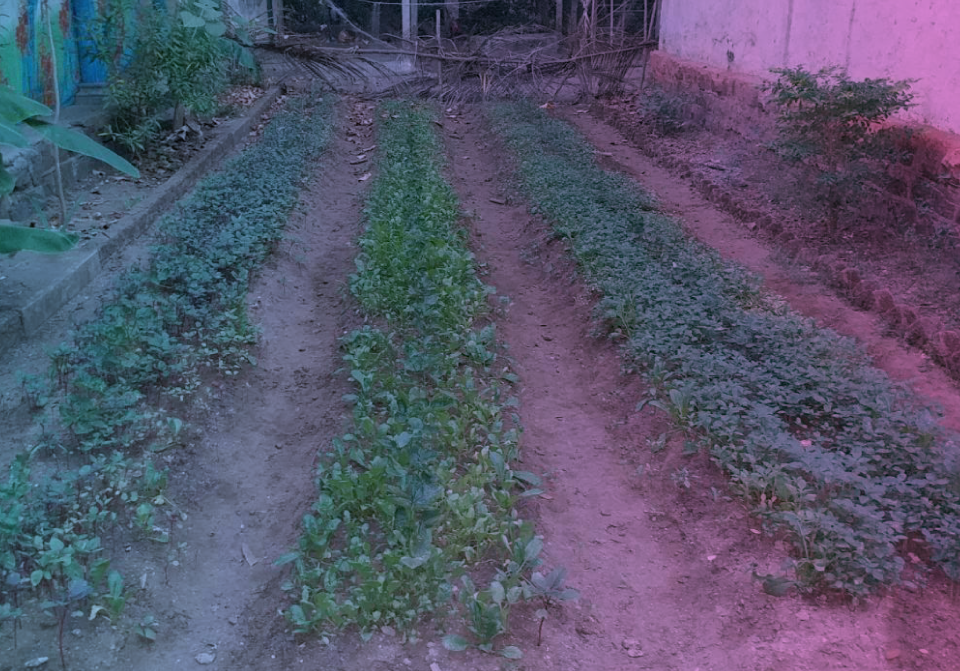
x=512, y=652
x=455, y=643
x=528, y=477
x=533, y=549
x=497, y=593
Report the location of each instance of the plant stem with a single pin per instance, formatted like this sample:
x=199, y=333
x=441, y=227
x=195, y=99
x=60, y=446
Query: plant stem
x=63, y=621
x=56, y=119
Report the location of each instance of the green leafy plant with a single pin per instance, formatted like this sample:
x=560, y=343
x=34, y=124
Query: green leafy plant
x=146, y=629
x=421, y=489
x=835, y=126
x=833, y=455
x=157, y=60
x=20, y=116
x=101, y=408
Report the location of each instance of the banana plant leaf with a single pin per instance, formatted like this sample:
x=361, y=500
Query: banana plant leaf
x=7, y=182
x=19, y=238
x=77, y=142
x=10, y=134
x=14, y=107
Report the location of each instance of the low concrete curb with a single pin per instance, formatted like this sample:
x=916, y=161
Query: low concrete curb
x=37, y=287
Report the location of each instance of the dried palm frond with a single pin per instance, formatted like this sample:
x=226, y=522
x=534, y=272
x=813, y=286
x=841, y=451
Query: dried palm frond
x=513, y=63
x=333, y=66
x=603, y=62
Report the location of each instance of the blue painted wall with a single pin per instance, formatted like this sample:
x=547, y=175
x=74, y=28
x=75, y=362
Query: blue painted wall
x=26, y=57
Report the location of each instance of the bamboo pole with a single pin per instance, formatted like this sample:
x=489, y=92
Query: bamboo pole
x=58, y=170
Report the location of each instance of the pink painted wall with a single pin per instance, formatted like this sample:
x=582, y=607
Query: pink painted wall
x=899, y=39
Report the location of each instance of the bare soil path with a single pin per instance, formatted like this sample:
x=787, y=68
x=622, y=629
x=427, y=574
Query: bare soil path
x=663, y=570
x=661, y=555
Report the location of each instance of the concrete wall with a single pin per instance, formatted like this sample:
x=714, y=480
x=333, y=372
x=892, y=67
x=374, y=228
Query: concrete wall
x=899, y=39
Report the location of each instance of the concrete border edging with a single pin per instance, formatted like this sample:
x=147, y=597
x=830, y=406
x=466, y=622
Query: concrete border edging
x=63, y=276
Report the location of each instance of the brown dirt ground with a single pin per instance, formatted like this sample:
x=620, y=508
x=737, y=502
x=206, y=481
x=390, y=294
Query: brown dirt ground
x=663, y=569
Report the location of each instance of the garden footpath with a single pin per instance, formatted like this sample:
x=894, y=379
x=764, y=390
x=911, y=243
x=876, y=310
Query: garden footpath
x=661, y=553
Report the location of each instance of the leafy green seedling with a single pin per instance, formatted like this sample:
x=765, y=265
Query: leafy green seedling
x=146, y=629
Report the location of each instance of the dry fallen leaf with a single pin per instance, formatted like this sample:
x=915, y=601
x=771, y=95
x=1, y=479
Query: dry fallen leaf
x=247, y=554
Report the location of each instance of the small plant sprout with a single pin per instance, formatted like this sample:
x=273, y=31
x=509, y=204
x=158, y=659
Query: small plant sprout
x=146, y=629
x=681, y=478
x=657, y=444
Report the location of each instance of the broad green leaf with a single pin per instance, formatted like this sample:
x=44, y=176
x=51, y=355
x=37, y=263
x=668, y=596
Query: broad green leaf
x=532, y=551
x=455, y=643
x=497, y=593
x=528, y=477
x=115, y=583
x=414, y=562
x=512, y=652
x=79, y=143
x=247, y=60
x=7, y=182
x=10, y=134
x=20, y=238
x=286, y=558
x=79, y=589
x=216, y=28
x=514, y=594
x=14, y=107
x=191, y=20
